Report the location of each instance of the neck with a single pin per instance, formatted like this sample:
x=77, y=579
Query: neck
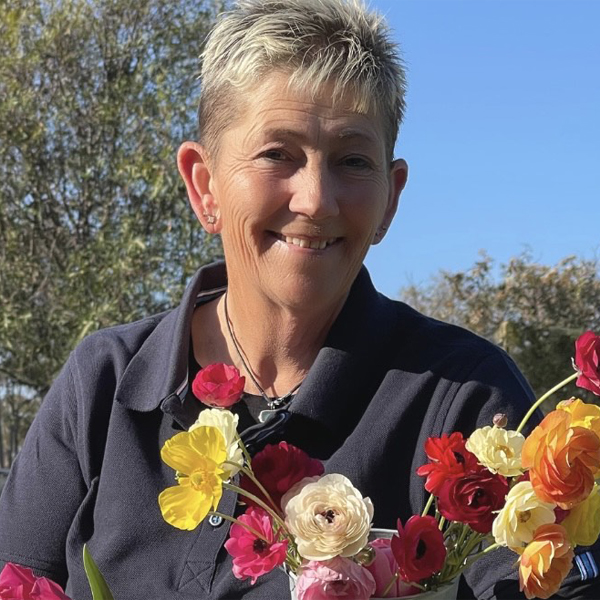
x=277, y=344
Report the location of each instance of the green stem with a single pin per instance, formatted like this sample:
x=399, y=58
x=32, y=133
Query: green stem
x=243, y=447
x=250, y=473
x=546, y=395
x=388, y=587
x=428, y=505
x=261, y=503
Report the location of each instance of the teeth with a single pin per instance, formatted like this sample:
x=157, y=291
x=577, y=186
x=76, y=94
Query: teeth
x=304, y=243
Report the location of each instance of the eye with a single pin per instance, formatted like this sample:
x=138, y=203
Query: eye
x=274, y=154
x=357, y=162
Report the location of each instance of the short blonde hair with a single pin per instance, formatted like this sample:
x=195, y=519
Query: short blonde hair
x=317, y=42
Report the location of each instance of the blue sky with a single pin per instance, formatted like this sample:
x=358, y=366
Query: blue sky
x=502, y=135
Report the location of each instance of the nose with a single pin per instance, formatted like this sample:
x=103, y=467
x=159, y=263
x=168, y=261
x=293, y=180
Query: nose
x=315, y=191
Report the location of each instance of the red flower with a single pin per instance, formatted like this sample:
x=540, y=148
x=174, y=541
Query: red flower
x=218, y=385
x=278, y=468
x=448, y=457
x=473, y=498
x=253, y=556
x=419, y=548
x=383, y=568
x=19, y=583
x=587, y=361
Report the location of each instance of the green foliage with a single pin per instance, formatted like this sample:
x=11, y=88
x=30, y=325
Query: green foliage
x=535, y=312
x=98, y=585
x=95, y=229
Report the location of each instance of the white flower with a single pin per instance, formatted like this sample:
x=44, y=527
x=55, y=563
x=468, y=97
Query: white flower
x=522, y=514
x=497, y=449
x=327, y=516
x=226, y=422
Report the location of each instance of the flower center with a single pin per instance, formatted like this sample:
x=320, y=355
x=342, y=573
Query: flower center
x=259, y=546
x=421, y=549
x=460, y=459
x=201, y=479
x=507, y=451
x=524, y=516
x=329, y=515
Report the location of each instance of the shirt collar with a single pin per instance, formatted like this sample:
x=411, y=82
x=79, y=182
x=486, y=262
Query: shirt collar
x=159, y=368
x=341, y=382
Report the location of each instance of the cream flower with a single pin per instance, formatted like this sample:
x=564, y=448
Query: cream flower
x=328, y=517
x=226, y=422
x=497, y=449
x=522, y=514
x=583, y=522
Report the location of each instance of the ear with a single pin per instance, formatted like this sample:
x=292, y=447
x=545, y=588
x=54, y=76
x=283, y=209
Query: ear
x=398, y=178
x=195, y=170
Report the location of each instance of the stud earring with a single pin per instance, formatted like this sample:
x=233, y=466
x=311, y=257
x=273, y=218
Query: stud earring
x=210, y=219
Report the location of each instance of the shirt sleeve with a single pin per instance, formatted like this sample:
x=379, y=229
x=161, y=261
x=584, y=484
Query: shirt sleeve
x=45, y=487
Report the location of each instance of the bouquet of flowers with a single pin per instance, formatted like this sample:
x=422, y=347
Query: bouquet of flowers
x=535, y=495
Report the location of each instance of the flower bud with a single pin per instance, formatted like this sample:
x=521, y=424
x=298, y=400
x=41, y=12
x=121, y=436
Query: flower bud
x=500, y=420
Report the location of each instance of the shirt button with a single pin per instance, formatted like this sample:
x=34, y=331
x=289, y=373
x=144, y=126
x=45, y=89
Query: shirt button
x=215, y=520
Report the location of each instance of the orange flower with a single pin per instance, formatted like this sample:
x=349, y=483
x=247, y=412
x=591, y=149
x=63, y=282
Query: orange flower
x=562, y=460
x=545, y=562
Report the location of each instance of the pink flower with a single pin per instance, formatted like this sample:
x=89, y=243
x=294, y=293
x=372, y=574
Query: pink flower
x=335, y=578
x=253, y=556
x=278, y=468
x=383, y=569
x=218, y=385
x=419, y=548
x=19, y=583
x=587, y=361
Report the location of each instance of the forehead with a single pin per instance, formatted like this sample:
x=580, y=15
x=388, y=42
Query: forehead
x=275, y=109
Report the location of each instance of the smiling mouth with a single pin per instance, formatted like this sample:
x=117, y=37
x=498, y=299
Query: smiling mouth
x=313, y=244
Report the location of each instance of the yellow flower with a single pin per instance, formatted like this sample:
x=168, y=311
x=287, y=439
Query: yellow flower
x=226, y=422
x=197, y=456
x=497, y=449
x=582, y=414
x=523, y=513
x=583, y=522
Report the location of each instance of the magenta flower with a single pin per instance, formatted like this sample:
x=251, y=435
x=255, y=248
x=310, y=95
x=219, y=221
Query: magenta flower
x=254, y=556
x=587, y=361
x=384, y=568
x=335, y=578
x=19, y=583
x=218, y=385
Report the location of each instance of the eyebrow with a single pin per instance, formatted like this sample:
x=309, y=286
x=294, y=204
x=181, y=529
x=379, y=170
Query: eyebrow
x=347, y=133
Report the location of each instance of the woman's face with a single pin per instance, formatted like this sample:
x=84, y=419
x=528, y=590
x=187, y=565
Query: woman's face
x=300, y=190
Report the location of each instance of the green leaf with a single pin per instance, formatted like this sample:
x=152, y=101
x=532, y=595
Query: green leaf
x=99, y=587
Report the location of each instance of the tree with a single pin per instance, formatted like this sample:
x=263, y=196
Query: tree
x=535, y=312
x=95, y=96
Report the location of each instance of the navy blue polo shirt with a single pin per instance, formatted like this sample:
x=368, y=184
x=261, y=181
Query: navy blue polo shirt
x=90, y=471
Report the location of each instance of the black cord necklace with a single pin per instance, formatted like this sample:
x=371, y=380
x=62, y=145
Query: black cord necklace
x=272, y=403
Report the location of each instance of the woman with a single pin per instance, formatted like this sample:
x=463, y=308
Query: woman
x=300, y=108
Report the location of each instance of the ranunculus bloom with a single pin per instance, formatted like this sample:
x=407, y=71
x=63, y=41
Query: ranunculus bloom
x=335, y=578
x=226, y=422
x=278, y=468
x=582, y=414
x=418, y=548
x=473, y=499
x=448, y=457
x=383, y=568
x=197, y=456
x=218, y=385
x=523, y=512
x=327, y=516
x=19, y=583
x=497, y=449
x=587, y=361
x=545, y=562
x=583, y=521
x=253, y=556
x=562, y=460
